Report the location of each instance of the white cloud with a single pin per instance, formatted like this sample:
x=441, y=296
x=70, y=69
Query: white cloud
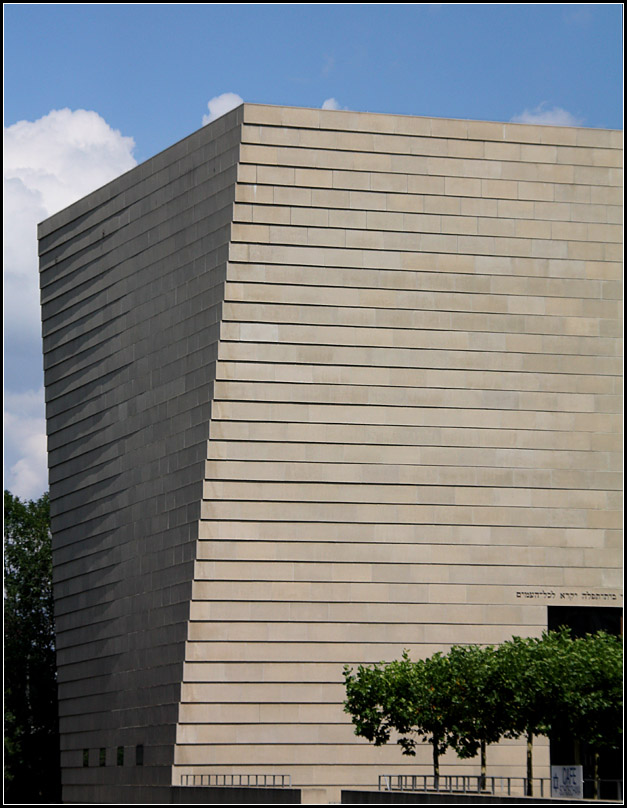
x=48, y=164
x=220, y=105
x=65, y=155
x=331, y=103
x=25, y=439
x=555, y=116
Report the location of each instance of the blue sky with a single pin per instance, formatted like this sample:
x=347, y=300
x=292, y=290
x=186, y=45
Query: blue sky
x=149, y=70
x=145, y=74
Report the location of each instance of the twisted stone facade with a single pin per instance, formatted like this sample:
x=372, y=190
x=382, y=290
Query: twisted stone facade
x=322, y=386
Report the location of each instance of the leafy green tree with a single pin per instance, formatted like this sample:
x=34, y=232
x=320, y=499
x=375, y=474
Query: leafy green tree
x=481, y=688
x=411, y=698
x=367, y=698
x=564, y=688
x=31, y=762
x=592, y=693
x=437, y=713
x=529, y=665
x=589, y=703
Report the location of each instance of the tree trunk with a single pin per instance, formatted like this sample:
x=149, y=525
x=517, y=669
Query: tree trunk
x=436, y=764
x=482, y=781
x=596, y=775
x=530, y=764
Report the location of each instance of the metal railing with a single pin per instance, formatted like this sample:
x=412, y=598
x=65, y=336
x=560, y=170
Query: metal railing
x=238, y=780
x=500, y=786
x=464, y=783
x=606, y=789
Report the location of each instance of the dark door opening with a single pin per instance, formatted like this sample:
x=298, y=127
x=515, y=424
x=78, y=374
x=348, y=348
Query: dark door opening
x=582, y=620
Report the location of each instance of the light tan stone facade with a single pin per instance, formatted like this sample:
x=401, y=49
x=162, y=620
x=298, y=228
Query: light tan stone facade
x=412, y=421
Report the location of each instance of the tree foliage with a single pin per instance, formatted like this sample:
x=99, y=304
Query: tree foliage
x=30, y=691
x=591, y=697
x=412, y=699
x=474, y=696
x=565, y=688
x=480, y=694
x=533, y=669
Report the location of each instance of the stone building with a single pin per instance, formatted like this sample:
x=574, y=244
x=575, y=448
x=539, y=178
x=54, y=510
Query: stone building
x=322, y=386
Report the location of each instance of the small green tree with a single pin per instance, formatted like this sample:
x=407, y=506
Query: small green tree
x=525, y=663
x=589, y=703
x=410, y=698
x=480, y=690
x=540, y=673
x=31, y=761
x=435, y=712
x=366, y=700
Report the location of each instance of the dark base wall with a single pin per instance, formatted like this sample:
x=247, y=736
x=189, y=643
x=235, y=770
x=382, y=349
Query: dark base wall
x=422, y=798
x=194, y=795
x=240, y=796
